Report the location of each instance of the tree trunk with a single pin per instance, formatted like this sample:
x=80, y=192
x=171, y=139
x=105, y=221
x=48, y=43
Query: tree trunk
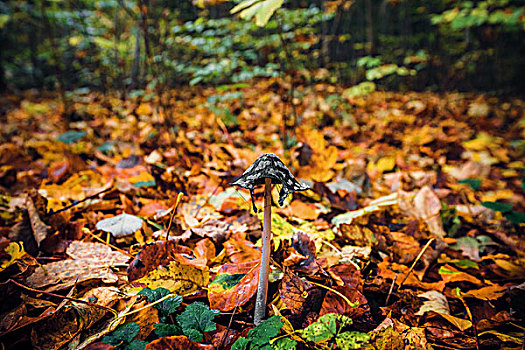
x=370, y=32
x=135, y=67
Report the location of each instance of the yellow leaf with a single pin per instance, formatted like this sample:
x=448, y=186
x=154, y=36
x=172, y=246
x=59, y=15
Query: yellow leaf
x=516, y=338
x=386, y=164
x=460, y=323
x=481, y=142
x=144, y=109
x=142, y=180
x=179, y=278
x=497, y=195
x=75, y=40
x=15, y=251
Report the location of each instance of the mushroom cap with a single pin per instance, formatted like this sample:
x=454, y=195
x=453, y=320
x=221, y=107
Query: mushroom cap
x=269, y=165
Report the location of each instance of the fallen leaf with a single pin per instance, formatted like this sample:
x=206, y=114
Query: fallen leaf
x=178, y=342
x=177, y=277
x=234, y=285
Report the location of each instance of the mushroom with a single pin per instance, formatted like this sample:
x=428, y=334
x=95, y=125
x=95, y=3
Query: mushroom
x=266, y=168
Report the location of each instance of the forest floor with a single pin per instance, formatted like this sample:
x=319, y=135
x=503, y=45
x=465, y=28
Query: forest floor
x=410, y=236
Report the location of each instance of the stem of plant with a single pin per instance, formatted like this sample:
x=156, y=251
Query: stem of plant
x=262, y=288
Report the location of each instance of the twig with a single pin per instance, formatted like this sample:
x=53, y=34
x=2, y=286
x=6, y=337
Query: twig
x=63, y=297
x=173, y=214
x=391, y=290
x=415, y=261
x=228, y=329
x=148, y=305
x=209, y=197
x=224, y=130
x=355, y=304
x=106, y=243
x=77, y=203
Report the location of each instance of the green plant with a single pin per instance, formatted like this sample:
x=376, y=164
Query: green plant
x=258, y=338
x=122, y=337
x=196, y=319
x=513, y=216
x=450, y=219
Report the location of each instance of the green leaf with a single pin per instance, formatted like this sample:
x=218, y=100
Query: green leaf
x=136, y=345
x=71, y=136
x=123, y=334
x=258, y=338
x=323, y=330
x=444, y=271
x=240, y=344
x=498, y=206
x=106, y=146
x=351, y=340
x=167, y=330
x=166, y=307
x=475, y=184
x=268, y=329
x=170, y=305
x=515, y=217
x=466, y=263
x=284, y=344
x=197, y=319
x=154, y=294
x=194, y=335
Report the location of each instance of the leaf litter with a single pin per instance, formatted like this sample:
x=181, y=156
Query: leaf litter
x=409, y=236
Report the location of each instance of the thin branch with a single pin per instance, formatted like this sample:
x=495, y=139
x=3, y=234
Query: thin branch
x=77, y=203
x=106, y=243
x=415, y=261
x=63, y=297
x=179, y=196
x=391, y=290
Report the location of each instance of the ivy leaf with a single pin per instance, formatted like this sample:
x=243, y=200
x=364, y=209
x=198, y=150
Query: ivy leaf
x=123, y=334
x=197, y=319
x=351, y=340
x=167, y=330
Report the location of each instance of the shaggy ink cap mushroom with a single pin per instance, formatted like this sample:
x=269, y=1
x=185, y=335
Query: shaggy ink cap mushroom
x=269, y=166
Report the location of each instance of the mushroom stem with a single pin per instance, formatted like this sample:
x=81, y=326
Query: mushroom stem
x=262, y=288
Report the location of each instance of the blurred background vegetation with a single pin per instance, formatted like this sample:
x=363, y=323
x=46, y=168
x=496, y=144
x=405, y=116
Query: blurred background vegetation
x=137, y=45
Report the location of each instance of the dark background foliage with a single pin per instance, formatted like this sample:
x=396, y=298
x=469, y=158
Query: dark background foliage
x=130, y=45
